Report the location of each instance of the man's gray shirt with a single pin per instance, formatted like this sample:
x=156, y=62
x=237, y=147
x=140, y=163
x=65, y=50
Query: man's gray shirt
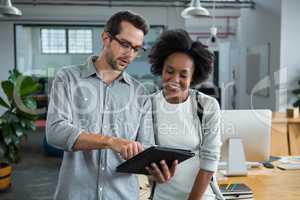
x=81, y=101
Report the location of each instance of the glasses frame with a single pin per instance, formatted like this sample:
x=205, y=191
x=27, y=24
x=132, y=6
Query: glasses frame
x=126, y=45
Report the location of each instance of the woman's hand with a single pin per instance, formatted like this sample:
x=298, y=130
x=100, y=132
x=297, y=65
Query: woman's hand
x=162, y=176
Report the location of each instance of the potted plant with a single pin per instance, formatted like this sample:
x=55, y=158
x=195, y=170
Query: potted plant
x=296, y=92
x=17, y=119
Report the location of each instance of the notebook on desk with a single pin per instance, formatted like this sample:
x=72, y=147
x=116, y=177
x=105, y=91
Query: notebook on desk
x=236, y=191
x=289, y=163
x=289, y=166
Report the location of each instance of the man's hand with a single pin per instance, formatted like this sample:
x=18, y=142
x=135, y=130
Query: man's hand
x=126, y=148
x=162, y=176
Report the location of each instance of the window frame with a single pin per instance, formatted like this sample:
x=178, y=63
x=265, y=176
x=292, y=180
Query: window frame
x=68, y=44
x=67, y=37
x=54, y=53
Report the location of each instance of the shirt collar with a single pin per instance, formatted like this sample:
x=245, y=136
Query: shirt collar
x=89, y=69
x=125, y=77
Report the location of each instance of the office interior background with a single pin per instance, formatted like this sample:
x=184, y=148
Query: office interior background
x=257, y=63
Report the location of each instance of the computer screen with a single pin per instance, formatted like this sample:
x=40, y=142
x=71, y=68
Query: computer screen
x=253, y=127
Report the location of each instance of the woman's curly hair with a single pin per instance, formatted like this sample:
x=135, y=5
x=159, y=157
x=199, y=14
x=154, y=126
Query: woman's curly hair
x=178, y=40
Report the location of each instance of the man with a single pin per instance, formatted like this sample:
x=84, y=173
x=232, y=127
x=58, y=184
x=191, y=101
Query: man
x=100, y=116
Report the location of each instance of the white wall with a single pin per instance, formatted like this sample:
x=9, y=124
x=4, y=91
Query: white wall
x=289, y=54
x=6, y=48
x=6, y=51
x=257, y=27
x=224, y=73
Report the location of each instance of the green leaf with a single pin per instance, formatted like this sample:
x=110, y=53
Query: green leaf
x=26, y=116
x=10, y=143
x=3, y=149
x=28, y=124
x=7, y=134
x=13, y=75
x=19, y=131
x=297, y=103
x=10, y=117
x=3, y=103
x=13, y=155
x=27, y=86
x=31, y=125
x=27, y=108
x=8, y=88
x=23, y=123
x=296, y=91
x=16, y=140
x=30, y=103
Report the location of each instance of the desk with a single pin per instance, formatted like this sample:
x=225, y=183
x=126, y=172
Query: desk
x=285, y=139
x=266, y=184
x=270, y=184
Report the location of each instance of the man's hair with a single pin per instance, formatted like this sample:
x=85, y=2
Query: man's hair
x=173, y=41
x=113, y=25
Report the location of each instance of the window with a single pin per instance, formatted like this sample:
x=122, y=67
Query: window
x=80, y=41
x=62, y=41
x=42, y=49
x=53, y=41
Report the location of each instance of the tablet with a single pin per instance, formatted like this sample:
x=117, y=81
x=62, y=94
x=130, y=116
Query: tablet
x=154, y=154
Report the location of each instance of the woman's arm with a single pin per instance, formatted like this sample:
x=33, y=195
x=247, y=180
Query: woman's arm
x=200, y=184
x=210, y=148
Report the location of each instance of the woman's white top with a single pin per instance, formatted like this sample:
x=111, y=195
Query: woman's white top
x=176, y=128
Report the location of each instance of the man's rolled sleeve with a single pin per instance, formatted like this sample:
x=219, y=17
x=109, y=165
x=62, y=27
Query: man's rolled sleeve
x=60, y=132
x=210, y=151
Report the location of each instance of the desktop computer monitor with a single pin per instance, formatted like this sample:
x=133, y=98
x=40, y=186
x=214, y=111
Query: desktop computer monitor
x=245, y=133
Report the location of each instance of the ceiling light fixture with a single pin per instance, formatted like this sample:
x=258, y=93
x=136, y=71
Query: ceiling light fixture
x=195, y=10
x=7, y=9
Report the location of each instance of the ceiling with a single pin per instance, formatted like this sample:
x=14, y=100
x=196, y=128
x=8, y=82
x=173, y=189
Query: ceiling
x=220, y=4
x=273, y=6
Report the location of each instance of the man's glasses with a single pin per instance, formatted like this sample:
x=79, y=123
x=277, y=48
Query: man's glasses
x=127, y=46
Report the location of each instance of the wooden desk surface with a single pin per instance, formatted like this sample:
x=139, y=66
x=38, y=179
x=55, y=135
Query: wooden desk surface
x=270, y=184
x=286, y=120
x=280, y=117
x=266, y=184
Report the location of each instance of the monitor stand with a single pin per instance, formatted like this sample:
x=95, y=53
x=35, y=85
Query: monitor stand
x=236, y=163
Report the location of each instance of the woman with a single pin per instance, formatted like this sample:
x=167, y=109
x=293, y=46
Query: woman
x=182, y=63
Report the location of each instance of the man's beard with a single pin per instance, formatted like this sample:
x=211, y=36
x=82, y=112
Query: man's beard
x=113, y=63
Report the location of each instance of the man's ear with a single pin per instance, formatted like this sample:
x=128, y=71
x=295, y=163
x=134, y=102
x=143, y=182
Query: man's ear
x=105, y=38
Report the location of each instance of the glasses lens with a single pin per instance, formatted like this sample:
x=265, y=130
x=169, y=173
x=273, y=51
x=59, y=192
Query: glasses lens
x=127, y=46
